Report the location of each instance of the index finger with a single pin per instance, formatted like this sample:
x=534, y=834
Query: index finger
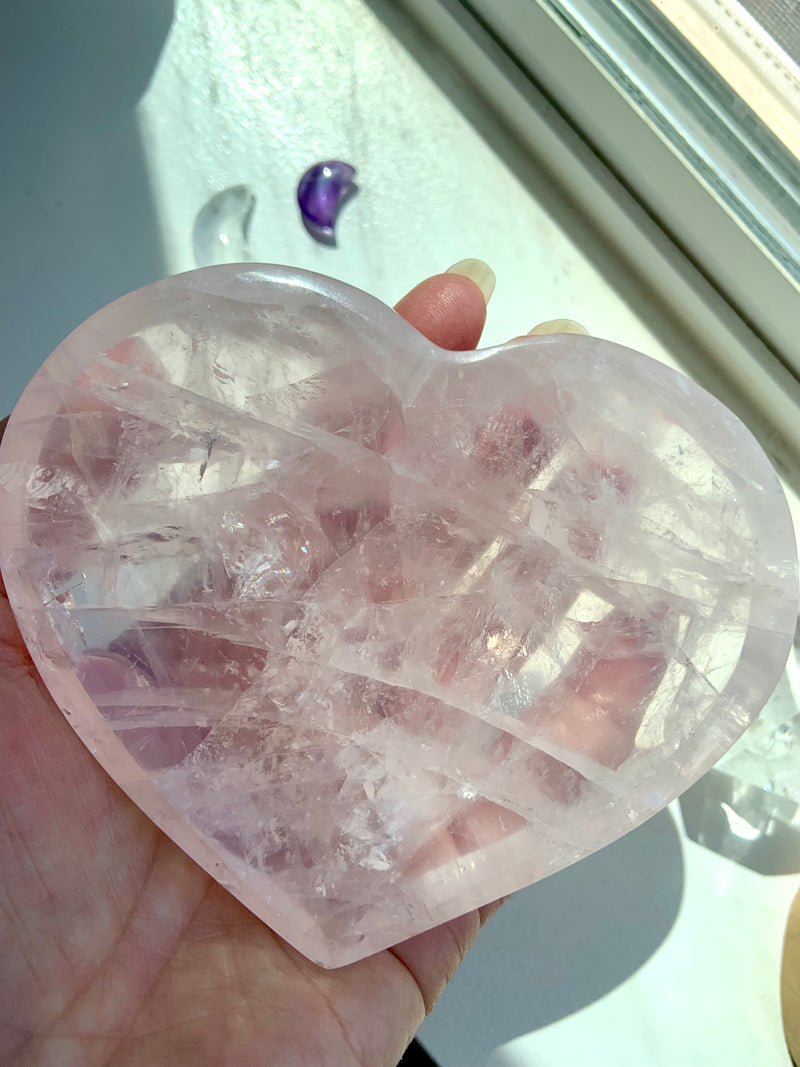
x=450, y=308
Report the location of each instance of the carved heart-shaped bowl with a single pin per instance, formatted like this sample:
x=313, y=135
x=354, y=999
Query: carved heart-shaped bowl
x=378, y=632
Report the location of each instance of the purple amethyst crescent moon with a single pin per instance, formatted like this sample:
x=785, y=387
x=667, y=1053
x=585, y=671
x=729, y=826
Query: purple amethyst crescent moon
x=321, y=192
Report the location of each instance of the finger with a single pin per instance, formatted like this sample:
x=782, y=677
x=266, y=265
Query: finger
x=553, y=326
x=432, y=957
x=557, y=326
x=488, y=910
x=450, y=308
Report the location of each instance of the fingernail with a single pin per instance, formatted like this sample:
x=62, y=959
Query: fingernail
x=557, y=326
x=477, y=271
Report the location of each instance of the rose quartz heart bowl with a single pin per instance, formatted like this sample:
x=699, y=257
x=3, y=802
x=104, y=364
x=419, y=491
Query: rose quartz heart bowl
x=377, y=632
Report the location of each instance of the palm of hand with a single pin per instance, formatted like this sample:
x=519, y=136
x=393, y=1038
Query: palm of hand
x=118, y=949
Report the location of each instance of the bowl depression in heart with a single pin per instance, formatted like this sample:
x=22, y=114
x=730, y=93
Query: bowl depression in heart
x=378, y=632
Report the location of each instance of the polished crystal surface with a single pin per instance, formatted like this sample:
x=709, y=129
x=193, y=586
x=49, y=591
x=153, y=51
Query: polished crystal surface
x=377, y=632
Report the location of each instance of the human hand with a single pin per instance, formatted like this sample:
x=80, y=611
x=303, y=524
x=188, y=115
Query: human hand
x=119, y=949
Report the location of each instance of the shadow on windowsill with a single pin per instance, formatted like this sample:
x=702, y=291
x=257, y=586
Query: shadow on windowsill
x=562, y=944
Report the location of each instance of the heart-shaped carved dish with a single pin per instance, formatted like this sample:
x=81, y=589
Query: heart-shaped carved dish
x=377, y=632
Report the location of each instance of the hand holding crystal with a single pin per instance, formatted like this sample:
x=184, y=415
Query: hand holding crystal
x=119, y=949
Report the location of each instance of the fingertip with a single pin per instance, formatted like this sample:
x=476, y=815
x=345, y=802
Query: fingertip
x=557, y=326
x=479, y=272
x=449, y=309
x=488, y=910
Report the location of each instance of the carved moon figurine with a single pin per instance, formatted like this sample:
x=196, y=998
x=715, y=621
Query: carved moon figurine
x=322, y=192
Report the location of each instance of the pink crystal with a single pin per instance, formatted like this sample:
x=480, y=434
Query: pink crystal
x=376, y=632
